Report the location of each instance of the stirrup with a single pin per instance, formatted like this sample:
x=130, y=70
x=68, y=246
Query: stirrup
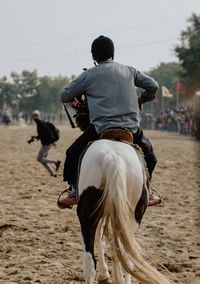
x=156, y=199
x=59, y=204
x=153, y=189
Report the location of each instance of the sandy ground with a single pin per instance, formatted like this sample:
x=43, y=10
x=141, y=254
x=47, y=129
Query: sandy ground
x=41, y=244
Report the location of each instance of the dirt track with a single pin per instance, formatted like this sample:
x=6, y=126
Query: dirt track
x=42, y=244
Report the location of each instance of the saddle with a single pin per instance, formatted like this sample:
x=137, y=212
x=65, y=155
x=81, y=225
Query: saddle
x=121, y=135
x=118, y=134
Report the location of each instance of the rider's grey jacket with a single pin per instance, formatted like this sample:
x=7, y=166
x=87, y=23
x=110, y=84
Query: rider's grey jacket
x=110, y=89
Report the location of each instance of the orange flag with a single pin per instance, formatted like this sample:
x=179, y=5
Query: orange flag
x=166, y=93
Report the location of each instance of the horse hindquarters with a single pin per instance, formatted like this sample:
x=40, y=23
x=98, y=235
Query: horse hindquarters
x=118, y=212
x=106, y=165
x=89, y=216
x=115, y=167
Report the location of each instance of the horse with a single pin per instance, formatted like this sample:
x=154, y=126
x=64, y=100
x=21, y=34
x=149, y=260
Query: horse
x=112, y=199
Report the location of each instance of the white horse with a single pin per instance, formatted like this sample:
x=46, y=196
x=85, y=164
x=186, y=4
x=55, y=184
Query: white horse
x=113, y=196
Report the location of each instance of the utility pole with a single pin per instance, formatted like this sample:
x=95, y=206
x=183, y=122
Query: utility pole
x=163, y=103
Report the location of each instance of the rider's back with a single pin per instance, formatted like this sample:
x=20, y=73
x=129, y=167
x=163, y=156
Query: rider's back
x=112, y=97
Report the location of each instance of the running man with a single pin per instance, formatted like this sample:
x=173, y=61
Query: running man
x=47, y=138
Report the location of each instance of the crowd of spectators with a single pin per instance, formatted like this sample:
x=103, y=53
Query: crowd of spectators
x=8, y=117
x=183, y=121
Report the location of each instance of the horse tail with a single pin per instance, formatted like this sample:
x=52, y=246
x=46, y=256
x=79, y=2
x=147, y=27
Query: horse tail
x=118, y=218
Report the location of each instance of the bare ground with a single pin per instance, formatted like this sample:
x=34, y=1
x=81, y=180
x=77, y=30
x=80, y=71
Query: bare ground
x=41, y=244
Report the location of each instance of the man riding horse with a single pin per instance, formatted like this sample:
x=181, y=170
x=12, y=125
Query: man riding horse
x=110, y=89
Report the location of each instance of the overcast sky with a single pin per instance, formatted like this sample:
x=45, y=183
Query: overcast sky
x=54, y=36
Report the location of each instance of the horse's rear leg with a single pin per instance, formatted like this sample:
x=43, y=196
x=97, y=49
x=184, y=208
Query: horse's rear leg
x=103, y=275
x=89, y=217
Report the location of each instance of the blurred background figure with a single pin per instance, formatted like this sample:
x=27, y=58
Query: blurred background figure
x=6, y=117
x=21, y=120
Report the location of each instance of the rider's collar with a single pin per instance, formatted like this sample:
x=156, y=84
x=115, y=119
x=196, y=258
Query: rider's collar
x=108, y=60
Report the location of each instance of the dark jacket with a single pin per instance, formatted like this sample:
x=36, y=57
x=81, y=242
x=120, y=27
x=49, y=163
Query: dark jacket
x=44, y=133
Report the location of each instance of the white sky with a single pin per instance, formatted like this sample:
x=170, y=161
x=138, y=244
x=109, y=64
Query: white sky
x=55, y=36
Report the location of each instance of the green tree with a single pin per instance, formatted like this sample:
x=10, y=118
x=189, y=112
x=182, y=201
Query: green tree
x=188, y=53
x=166, y=74
x=49, y=91
x=25, y=90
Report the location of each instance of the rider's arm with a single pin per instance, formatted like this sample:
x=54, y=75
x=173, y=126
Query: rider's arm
x=148, y=84
x=74, y=89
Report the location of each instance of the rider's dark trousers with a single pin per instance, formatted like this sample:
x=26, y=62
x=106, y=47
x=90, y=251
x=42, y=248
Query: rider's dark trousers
x=74, y=151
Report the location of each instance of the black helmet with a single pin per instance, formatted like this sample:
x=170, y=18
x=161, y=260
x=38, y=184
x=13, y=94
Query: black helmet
x=102, y=48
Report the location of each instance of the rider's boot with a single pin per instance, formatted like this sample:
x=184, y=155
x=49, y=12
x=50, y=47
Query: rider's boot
x=69, y=201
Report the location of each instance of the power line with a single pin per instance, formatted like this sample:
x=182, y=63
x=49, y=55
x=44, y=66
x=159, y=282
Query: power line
x=149, y=43
x=72, y=54
x=73, y=37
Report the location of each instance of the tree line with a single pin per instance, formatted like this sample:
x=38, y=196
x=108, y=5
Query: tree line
x=186, y=71
x=27, y=91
